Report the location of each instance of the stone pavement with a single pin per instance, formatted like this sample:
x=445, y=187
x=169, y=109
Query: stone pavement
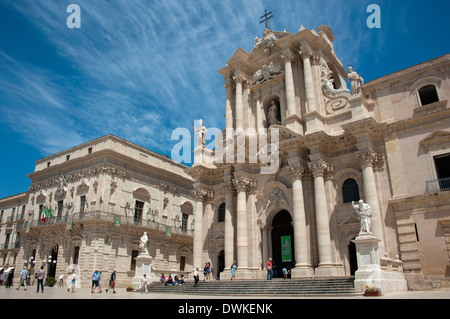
x=85, y=293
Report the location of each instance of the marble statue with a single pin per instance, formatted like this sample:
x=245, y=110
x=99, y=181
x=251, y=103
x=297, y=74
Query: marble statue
x=364, y=212
x=273, y=114
x=356, y=81
x=201, y=134
x=143, y=243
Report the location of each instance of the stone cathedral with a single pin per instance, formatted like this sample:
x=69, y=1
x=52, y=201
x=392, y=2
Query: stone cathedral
x=332, y=141
x=370, y=141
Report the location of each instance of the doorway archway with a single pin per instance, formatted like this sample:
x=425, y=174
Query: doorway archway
x=283, y=249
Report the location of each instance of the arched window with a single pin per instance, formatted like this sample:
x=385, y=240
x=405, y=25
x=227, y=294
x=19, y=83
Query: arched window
x=221, y=218
x=428, y=94
x=350, y=191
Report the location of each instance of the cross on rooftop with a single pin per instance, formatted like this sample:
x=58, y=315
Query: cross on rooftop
x=266, y=18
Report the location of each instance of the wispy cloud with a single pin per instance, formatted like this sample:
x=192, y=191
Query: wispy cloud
x=144, y=67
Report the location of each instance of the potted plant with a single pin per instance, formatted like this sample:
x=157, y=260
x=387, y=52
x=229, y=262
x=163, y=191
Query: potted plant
x=51, y=281
x=129, y=288
x=371, y=291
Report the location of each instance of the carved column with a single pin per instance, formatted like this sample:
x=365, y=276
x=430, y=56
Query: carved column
x=239, y=79
x=367, y=159
x=241, y=184
x=322, y=222
x=300, y=236
x=259, y=121
x=289, y=81
x=228, y=111
x=199, y=195
x=229, y=230
x=306, y=54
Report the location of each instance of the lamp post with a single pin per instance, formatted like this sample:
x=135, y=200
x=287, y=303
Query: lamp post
x=49, y=263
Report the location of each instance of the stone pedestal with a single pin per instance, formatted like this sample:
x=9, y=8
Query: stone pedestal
x=369, y=272
x=143, y=266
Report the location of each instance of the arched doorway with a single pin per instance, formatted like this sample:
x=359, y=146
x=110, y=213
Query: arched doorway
x=283, y=249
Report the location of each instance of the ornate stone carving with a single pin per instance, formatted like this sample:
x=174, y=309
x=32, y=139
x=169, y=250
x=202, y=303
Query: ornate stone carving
x=367, y=158
x=297, y=171
x=277, y=195
x=199, y=194
x=242, y=183
x=266, y=73
x=320, y=168
x=266, y=43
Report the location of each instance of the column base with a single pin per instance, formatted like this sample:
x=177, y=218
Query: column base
x=302, y=271
x=327, y=270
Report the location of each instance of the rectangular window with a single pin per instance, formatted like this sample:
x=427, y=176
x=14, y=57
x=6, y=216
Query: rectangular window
x=138, y=209
x=82, y=205
x=60, y=208
x=134, y=254
x=184, y=222
x=442, y=165
x=182, y=263
x=76, y=255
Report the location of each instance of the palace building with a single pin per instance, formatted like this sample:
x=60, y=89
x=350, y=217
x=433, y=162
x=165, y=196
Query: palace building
x=386, y=142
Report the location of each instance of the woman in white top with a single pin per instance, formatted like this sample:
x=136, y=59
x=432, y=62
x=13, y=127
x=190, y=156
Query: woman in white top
x=72, y=281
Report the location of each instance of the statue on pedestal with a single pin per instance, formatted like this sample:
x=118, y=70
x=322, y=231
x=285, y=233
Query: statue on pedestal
x=201, y=134
x=364, y=212
x=356, y=81
x=143, y=243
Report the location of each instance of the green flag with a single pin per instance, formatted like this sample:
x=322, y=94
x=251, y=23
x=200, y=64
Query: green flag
x=50, y=211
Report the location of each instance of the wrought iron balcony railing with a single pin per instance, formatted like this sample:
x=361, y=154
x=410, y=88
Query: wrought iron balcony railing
x=108, y=217
x=438, y=185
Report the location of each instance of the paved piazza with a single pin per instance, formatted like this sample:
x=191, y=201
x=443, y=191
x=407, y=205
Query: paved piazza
x=85, y=293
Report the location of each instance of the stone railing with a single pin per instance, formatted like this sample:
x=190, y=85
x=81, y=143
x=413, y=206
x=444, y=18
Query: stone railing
x=391, y=265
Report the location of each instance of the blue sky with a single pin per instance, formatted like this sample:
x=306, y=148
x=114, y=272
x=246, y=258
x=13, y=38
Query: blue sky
x=140, y=69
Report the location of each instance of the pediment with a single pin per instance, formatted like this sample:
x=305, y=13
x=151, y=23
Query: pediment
x=436, y=138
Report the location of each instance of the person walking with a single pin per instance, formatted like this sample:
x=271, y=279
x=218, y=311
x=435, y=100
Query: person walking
x=9, y=278
x=23, y=278
x=144, y=283
x=72, y=281
x=112, y=282
x=96, y=281
x=233, y=270
x=40, y=279
x=269, y=269
x=196, y=277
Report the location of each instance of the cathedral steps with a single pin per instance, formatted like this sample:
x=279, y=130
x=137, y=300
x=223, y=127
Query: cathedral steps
x=280, y=287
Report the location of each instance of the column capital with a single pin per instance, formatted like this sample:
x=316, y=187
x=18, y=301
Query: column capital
x=367, y=158
x=320, y=168
x=297, y=171
x=242, y=183
x=239, y=78
x=305, y=51
x=287, y=55
x=199, y=194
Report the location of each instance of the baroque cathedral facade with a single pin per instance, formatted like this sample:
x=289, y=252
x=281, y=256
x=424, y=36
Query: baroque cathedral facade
x=386, y=142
